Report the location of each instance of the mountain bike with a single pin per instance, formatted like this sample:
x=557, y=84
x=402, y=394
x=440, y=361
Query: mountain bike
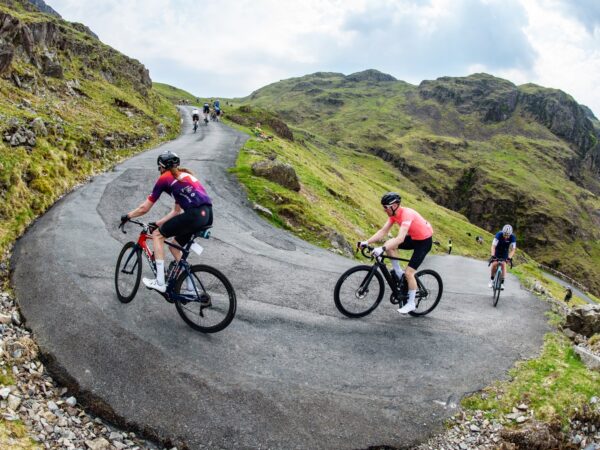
x=360, y=289
x=203, y=296
x=497, y=282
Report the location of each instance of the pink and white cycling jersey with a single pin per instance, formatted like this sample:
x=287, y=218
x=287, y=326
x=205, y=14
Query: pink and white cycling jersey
x=186, y=190
x=418, y=228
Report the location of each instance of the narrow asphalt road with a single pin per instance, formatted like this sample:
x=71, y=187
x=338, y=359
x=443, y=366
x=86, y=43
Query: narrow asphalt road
x=290, y=371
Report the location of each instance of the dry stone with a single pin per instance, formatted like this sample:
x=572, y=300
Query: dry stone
x=280, y=173
x=584, y=320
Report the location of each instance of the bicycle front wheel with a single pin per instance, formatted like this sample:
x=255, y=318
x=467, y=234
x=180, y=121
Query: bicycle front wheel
x=128, y=272
x=429, y=292
x=212, y=302
x=358, y=291
x=497, y=286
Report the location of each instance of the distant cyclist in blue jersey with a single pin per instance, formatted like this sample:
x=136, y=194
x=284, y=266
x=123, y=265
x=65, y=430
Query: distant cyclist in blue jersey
x=217, y=108
x=504, y=247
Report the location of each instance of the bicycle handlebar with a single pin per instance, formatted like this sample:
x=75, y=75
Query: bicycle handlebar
x=501, y=260
x=147, y=227
x=366, y=252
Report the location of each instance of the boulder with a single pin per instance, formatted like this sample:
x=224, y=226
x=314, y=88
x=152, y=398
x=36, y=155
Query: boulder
x=6, y=56
x=38, y=127
x=584, y=320
x=280, y=173
x=338, y=242
x=591, y=360
x=50, y=66
x=161, y=129
x=535, y=436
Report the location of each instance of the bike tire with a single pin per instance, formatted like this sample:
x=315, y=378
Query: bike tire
x=220, y=312
x=130, y=257
x=429, y=291
x=497, y=287
x=348, y=286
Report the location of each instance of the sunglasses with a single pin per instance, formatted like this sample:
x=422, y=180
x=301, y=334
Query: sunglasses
x=388, y=206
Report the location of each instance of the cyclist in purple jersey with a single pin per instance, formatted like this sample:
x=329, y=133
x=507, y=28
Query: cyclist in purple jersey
x=192, y=212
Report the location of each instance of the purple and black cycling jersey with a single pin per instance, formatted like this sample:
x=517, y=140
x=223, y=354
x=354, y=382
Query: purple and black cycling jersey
x=186, y=190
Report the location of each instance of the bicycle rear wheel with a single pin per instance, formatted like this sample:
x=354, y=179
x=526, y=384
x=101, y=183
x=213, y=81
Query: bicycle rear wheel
x=128, y=272
x=358, y=291
x=429, y=292
x=212, y=302
x=497, y=286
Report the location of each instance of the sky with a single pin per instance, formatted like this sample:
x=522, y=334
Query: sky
x=229, y=48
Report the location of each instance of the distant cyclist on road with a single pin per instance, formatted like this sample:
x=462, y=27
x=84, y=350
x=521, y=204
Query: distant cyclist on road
x=415, y=234
x=192, y=212
x=504, y=247
x=195, y=117
x=217, y=108
x=206, y=111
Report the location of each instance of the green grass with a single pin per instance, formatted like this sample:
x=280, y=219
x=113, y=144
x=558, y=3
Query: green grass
x=173, y=94
x=554, y=385
x=340, y=193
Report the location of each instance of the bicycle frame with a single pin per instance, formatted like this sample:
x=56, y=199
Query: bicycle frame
x=393, y=283
x=182, y=264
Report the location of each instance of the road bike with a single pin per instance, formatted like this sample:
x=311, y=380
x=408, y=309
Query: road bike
x=203, y=296
x=497, y=284
x=360, y=289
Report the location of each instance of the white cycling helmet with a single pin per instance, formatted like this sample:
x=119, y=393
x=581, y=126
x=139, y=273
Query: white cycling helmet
x=507, y=230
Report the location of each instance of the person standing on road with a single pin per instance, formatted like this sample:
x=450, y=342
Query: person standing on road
x=449, y=246
x=415, y=234
x=191, y=213
x=504, y=247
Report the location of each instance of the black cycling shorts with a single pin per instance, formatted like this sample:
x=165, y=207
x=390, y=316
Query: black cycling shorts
x=195, y=117
x=421, y=248
x=205, y=110
x=184, y=225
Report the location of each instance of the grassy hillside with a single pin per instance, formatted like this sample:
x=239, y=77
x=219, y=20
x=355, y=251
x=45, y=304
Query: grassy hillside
x=93, y=109
x=173, y=94
x=340, y=190
x=477, y=145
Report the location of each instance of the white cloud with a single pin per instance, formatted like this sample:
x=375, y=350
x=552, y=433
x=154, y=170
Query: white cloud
x=232, y=47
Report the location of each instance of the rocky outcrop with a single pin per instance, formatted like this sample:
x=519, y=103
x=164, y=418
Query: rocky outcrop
x=49, y=45
x=280, y=173
x=370, y=75
x=496, y=100
x=562, y=115
x=493, y=98
x=43, y=7
x=584, y=320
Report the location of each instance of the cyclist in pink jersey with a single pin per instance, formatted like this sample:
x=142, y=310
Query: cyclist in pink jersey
x=191, y=213
x=415, y=234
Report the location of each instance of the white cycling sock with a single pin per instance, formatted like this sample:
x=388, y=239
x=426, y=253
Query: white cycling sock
x=160, y=271
x=189, y=285
x=411, y=296
x=397, y=268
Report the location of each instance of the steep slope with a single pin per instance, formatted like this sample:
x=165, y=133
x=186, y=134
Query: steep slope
x=70, y=106
x=480, y=145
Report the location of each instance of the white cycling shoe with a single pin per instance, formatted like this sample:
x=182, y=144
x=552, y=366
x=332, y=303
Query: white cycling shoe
x=491, y=284
x=409, y=307
x=152, y=283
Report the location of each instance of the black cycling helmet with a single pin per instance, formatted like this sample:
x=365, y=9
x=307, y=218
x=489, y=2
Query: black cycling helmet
x=168, y=160
x=389, y=198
